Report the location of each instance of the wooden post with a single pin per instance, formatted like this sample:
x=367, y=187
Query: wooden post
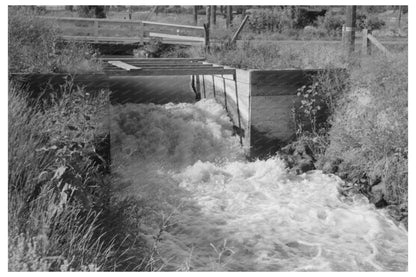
x=350, y=29
x=96, y=30
x=229, y=18
x=366, y=45
x=206, y=37
x=343, y=34
x=208, y=13
x=213, y=15
x=195, y=15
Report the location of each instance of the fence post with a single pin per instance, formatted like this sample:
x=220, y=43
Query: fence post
x=206, y=36
x=366, y=45
x=351, y=12
x=343, y=34
x=96, y=30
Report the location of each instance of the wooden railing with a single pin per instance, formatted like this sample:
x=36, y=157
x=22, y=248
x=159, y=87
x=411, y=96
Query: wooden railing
x=369, y=39
x=129, y=31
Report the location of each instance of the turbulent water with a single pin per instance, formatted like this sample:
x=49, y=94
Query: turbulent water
x=220, y=212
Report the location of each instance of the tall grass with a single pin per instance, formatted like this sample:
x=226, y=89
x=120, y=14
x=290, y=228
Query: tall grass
x=370, y=127
x=34, y=46
x=265, y=55
x=55, y=188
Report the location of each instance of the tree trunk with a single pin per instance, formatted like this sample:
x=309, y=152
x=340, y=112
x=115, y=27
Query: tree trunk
x=229, y=19
x=214, y=15
x=195, y=15
x=208, y=16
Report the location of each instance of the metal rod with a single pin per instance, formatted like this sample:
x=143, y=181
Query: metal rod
x=238, y=111
x=213, y=85
x=203, y=84
x=225, y=93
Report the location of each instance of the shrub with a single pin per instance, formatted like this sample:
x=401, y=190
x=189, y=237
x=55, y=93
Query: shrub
x=262, y=20
x=317, y=104
x=369, y=22
x=34, y=46
x=332, y=24
x=369, y=128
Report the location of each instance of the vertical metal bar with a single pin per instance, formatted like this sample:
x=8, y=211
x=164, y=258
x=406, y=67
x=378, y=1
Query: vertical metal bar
x=225, y=93
x=238, y=111
x=203, y=84
x=213, y=85
x=198, y=88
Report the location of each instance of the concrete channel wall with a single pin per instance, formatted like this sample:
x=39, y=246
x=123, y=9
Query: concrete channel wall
x=265, y=102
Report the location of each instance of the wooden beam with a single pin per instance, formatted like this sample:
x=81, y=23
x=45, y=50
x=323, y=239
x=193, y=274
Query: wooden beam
x=240, y=28
x=172, y=72
x=173, y=25
x=155, y=65
x=187, y=38
x=150, y=59
x=366, y=45
x=101, y=20
x=378, y=45
x=124, y=66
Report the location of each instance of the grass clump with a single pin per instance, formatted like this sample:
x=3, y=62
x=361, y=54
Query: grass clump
x=368, y=138
x=34, y=46
x=266, y=55
x=55, y=188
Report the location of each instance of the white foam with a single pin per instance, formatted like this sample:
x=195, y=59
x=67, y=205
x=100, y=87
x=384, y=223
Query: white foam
x=240, y=215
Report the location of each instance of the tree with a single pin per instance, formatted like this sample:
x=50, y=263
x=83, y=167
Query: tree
x=195, y=15
x=92, y=11
x=229, y=19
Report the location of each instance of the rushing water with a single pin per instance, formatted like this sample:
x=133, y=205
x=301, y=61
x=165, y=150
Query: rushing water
x=222, y=212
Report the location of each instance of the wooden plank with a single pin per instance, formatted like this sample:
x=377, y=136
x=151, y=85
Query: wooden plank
x=109, y=58
x=173, y=25
x=136, y=39
x=124, y=66
x=365, y=46
x=378, y=45
x=239, y=29
x=105, y=20
x=171, y=72
x=173, y=66
x=176, y=37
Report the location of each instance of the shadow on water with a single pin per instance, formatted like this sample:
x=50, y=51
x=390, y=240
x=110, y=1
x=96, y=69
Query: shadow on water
x=153, y=89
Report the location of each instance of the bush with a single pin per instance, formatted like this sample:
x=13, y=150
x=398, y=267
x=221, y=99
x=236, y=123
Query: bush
x=332, y=24
x=34, y=46
x=369, y=129
x=276, y=19
x=369, y=22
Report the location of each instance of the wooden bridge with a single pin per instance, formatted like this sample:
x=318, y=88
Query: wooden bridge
x=116, y=31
